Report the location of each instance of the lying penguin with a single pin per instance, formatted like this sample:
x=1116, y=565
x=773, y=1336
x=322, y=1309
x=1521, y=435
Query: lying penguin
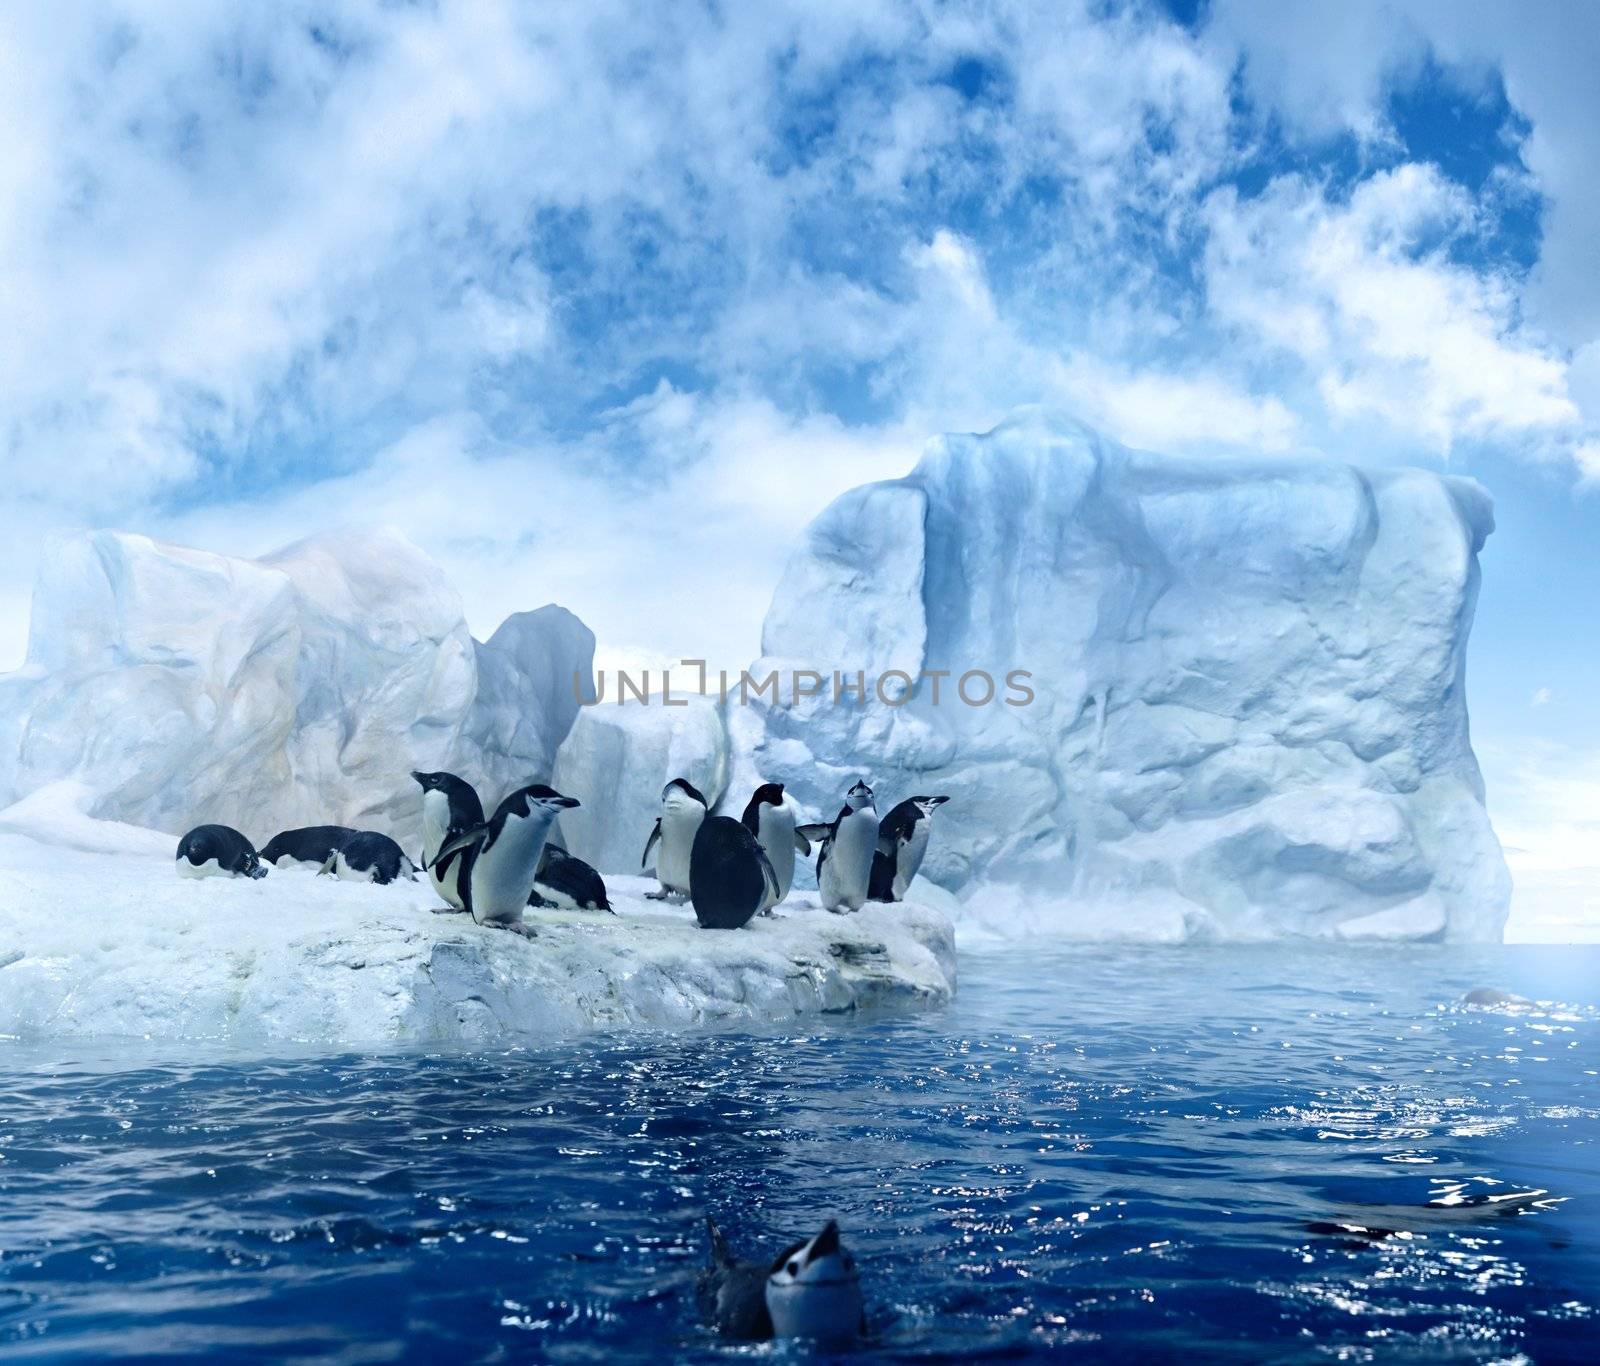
x=773, y=819
x=309, y=844
x=500, y=858
x=683, y=808
x=902, y=844
x=450, y=807
x=844, y=863
x=567, y=883
x=811, y=1291
x=730, y=878
x=368, y=856
x=218, y=851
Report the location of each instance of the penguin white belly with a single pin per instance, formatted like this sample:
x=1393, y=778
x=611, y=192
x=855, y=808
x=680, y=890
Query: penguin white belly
x=910, y=859
x=435, y=824
x=777, y=842
x=502, y=875
x=210, y=868
x=345, y=873
x=557, y=898
x=678, y=829
x=848, y=868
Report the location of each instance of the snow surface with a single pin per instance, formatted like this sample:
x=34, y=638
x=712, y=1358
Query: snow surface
x=100, y=945
x=181, y=687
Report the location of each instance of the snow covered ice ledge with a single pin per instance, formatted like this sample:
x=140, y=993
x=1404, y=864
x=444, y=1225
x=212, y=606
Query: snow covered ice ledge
x=115, y=945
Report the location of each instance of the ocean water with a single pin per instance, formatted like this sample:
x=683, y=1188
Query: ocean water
x=1154, y=1153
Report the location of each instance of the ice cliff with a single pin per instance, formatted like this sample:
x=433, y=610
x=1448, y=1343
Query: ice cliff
x=180, y=686
x=1249, y=715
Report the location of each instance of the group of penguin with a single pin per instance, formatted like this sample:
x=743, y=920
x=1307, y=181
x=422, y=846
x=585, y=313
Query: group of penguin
x=729, y=870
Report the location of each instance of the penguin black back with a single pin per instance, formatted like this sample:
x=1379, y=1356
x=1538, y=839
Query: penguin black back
x=729, y=874
x=307, y=844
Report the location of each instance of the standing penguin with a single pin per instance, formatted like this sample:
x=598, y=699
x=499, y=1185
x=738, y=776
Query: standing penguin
x=450, y=807
x=902, y=842
x=844, y=864
x=773, y=819
x=682, y=809
x=500, y=859
x=218, y=851
x=729, y=876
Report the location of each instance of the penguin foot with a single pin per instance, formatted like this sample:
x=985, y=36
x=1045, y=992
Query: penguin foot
x=525, y=930
x=445, y=910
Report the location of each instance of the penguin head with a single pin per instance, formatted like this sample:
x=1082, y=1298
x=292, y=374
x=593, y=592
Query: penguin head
x=680, y=791
x=813, y=1290
x=928, y=805
x=768, y=794
x=859, y=796
x=538, y=799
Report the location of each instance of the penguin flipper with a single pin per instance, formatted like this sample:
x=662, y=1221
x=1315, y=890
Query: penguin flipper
x=456, y=843
x=801, y=844
x=327, y=863
x=816, y=831
x=649, y=844
x=774, y=892
x=721, y=1255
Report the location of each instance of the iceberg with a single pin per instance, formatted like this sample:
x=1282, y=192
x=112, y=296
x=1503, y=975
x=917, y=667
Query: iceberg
x=116, y=945
x=179, y=686
x=1248, y=712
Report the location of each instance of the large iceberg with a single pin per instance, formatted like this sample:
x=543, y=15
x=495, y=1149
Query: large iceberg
x=179, y=686
x=1248, y=715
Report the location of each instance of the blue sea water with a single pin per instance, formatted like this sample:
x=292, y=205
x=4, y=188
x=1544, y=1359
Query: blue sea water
x=1139, y=1152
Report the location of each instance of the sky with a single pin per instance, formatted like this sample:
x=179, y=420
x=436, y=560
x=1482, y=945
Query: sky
x=601, y=303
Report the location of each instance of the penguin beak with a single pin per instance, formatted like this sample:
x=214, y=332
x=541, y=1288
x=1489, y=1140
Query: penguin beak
x=940, y=801
x=827, y=1243
x=567, y=803
x=419, y=778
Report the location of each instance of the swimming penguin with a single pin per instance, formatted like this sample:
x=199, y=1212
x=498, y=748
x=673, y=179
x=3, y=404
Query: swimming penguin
x=368, y=856
x=730, y=878
x=568, y=883
x=682, y=809
x=902, y=842
x=450, y=806
x=811, y=1291
x=500, y=858
x=844, y=864
x=218, y=851
x=773, y=820
x=312, y=844
x=1455, y=1208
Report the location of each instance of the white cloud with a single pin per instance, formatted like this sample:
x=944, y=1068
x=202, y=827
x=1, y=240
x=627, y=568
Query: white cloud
x=1541, y=698
x=1388, y=325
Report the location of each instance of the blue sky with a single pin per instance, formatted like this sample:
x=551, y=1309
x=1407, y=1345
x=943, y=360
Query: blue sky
x=602, y=303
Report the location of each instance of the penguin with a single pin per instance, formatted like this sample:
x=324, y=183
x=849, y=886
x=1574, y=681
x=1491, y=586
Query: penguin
x=368, y=856
x=450, y=806
x=773, y=820
x=682, y=809
x=811, y=1291
x=500, y=858
x=902, y=842
x=567, y=882
x=218, y=851
x=844, y=863
x=313, y=844
x=730, y=878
